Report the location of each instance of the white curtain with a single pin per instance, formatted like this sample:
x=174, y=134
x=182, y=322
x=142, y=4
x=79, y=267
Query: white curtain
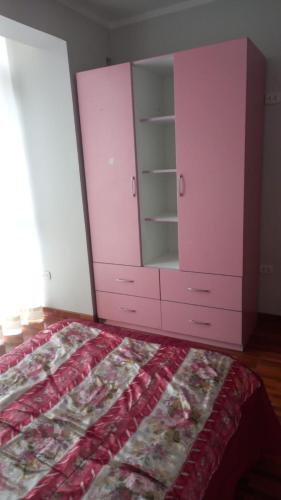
x=20, y=262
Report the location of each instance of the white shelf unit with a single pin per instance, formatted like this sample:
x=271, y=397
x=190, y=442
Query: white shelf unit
x=164, y=217
x=165, y=261
x=158, y=119
x=160, y=171
x=155, y=145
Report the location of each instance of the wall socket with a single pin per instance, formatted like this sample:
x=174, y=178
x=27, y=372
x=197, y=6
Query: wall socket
x=266, y=269
x=272, y=98
x=46, y=275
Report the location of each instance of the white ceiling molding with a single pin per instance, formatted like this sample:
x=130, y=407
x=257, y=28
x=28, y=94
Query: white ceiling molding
x=177, y=7
x=87, y=10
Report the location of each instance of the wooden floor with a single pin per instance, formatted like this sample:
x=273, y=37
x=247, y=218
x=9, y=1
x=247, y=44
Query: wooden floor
x=263, y=355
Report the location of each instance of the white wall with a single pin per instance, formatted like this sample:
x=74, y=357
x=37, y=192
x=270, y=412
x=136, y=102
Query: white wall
x=221, y=20
x=42, y=79
x=42, y=85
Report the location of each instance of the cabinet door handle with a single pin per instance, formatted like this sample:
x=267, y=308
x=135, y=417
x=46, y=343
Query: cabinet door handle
x=133, y=185
x=201, y=323
x=123, y=280
x=200, y=290
x=127, y=309
x=180, y=185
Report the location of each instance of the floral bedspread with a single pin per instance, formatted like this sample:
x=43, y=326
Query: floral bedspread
x=90, y=413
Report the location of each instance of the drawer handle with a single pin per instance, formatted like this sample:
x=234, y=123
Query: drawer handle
x=122, y=280
x=133, y=186
x=127, y=309
x=201, y=323
x=201, y=290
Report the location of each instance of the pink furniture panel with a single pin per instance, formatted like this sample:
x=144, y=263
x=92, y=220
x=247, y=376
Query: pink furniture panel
x=139, y=281
x=210, y=109
x=203, y=322
x=253, y=170
x=128, y=309
x=106, y=113
x=203, y=289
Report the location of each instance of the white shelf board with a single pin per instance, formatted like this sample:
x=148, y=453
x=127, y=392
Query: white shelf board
x=158, y=119
x=169, y=261
x=164, y=217
x=160, y=171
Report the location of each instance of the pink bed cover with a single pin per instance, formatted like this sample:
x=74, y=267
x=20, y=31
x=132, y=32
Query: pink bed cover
x=87, y=411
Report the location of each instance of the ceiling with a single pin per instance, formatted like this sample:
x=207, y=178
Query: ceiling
x=115, y=13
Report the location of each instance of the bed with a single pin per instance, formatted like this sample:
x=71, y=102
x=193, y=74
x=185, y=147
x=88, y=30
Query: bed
x=97, y=412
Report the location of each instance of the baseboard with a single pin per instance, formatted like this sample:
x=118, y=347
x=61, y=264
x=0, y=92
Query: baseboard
x=70, y=314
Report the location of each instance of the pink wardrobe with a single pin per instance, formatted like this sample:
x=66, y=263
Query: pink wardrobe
x=172, y=151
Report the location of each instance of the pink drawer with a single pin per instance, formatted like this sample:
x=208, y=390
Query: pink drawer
x=138, y=281
x=204, y=322
x=203, y=289
x=135, y=310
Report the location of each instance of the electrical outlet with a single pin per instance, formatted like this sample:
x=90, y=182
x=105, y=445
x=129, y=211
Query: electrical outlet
x=46, y=275
x=273, y=98
x=266, y=268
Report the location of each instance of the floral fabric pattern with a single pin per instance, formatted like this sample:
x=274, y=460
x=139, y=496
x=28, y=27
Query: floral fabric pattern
x=43, y=361
x=163, y=440
x=93, y=413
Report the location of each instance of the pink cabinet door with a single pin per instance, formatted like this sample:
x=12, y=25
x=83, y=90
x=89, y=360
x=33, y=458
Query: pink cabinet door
x=210, y=108
x=106, y=115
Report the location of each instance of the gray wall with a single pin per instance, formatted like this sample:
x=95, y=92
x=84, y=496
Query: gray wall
x=260, y=20
x=221, y=20
x=87, y=42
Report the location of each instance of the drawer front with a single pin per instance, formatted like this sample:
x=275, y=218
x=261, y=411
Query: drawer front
x=205, y=322
x=135, y=310
x=202, y=289
x=138, y=281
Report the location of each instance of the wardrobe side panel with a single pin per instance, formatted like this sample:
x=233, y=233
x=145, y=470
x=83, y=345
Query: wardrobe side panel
x=210, y=106
x=253, y=169
x=106, y=114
